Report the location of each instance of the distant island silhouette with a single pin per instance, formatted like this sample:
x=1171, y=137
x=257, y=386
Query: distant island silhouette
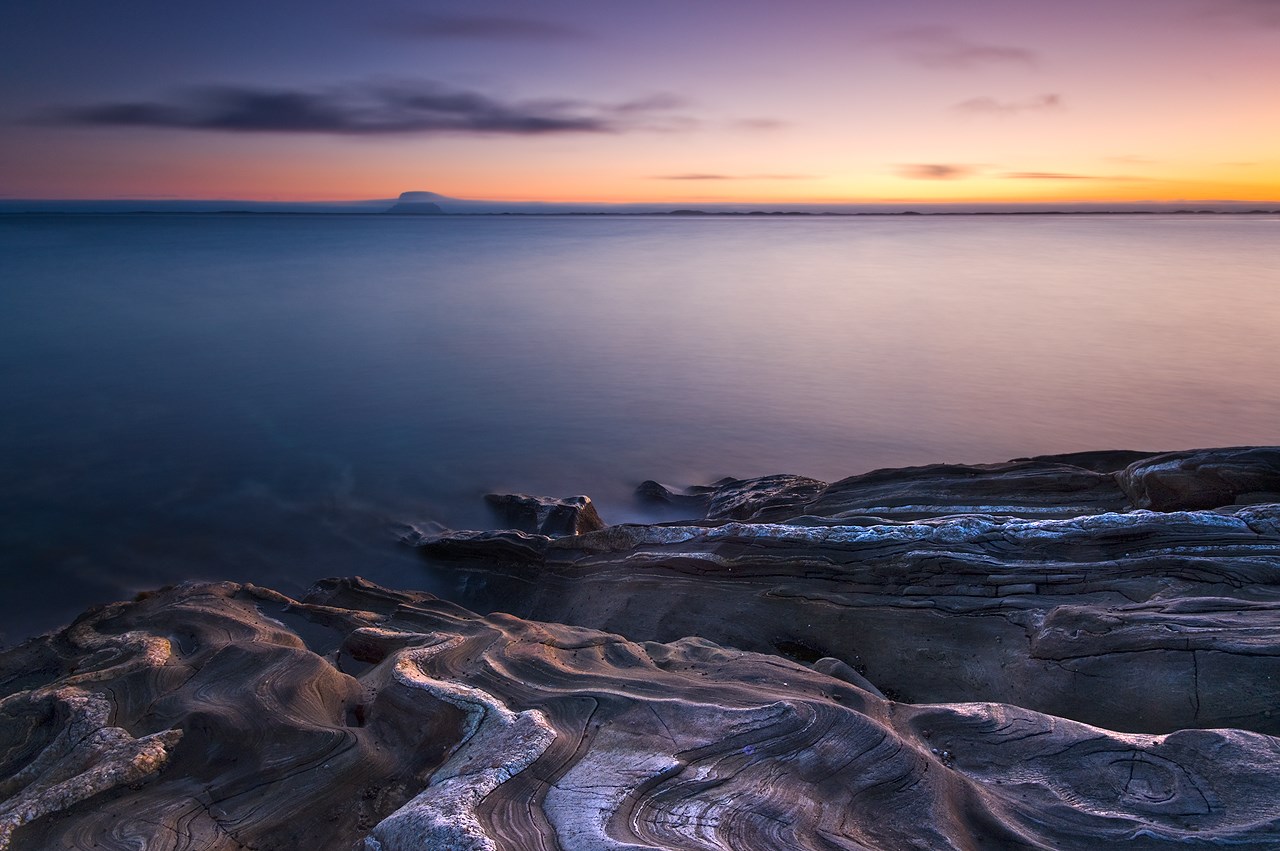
x=417, y=203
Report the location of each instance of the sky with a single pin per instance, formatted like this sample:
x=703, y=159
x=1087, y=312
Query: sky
x=666, y=101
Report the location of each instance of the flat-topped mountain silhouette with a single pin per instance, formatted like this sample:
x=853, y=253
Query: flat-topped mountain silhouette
x=417, y=204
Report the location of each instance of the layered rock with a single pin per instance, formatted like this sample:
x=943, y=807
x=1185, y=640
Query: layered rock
x=1069, y=652
x=391, y=721
x=542, y=515
x=947, y=583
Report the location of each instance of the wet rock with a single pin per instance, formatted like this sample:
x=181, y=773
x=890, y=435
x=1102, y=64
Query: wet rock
x=1050, y=486
x=998, y=656
x=694, y=499
x=208, y=723
x=748, y=499
x=1205, y=478
x=1017, y=605
x=465, y=731
x=506, y=547
x=1043, y=488
x=540, y=515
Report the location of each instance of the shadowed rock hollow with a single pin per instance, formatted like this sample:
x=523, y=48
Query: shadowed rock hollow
x=906, y=659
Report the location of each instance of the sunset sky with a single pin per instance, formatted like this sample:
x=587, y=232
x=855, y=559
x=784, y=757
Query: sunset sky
x=681, y=101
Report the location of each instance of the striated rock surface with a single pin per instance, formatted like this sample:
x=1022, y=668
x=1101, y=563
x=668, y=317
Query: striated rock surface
x=392, y=721
x=1038, y=583
x=1052, y=486
x=1069, y=652
x=1204, y=479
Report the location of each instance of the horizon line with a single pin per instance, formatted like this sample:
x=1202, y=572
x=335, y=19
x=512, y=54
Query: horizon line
x=453, y=205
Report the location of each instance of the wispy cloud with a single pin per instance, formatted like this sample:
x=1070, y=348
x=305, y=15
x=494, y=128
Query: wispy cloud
x=427, y=25
x=936, y=171
x=945, y=48
x=1248, y=13
x=758, y=125
x=376, y=109
x=991, y=106
x=703, y=176
x=960, y=171
x=1060, y=175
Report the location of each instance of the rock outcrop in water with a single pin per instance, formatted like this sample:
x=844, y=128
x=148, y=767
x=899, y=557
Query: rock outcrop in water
x=1071, y=653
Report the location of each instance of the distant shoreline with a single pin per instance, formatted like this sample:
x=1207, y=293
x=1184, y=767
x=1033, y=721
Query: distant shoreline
x=691, y=213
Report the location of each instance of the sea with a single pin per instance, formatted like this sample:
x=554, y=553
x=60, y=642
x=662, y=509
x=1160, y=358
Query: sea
x=280, y=398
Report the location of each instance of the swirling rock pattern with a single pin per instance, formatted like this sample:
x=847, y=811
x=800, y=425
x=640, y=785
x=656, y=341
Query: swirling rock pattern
x=945, y=658
x=394, y=721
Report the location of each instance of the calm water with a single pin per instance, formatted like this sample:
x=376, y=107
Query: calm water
x=266, y=398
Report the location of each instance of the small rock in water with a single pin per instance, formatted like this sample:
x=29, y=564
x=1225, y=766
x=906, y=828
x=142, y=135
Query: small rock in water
x=543, y=515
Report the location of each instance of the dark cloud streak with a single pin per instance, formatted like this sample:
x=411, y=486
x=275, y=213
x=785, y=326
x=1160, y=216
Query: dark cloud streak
x=944, y=48
x=1059, y=175
x=935, y=171
x=759, y=125
x=991, y=106
x=377, y=110
x=702, y=176
x=426, y=25
x=1243, y=13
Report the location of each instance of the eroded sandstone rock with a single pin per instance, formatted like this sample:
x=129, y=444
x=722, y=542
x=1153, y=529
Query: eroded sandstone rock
x=394, y=721
x=1021, y=655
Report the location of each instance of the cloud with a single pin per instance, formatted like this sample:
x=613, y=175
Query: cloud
x=991, y=106
x=1046, y=175
x=701, y=176
x=1059, y=175
x=651, y=103
x=758, y=125
x=478, y=27
x=1246, y=13
x=935, y=171
x=378, y=109
x=956, y=171
x=943, y=47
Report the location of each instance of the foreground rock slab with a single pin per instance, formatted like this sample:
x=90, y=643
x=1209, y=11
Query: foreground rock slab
x=222, y=716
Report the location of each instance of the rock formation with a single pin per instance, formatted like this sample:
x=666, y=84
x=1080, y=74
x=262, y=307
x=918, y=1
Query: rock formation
x=1072, y=653
x=1038, y=582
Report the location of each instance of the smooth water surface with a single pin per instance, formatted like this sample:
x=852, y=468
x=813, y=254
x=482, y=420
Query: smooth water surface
x=266, y=398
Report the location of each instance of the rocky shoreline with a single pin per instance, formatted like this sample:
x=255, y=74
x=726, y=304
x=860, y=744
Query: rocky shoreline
x=1059, y=652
